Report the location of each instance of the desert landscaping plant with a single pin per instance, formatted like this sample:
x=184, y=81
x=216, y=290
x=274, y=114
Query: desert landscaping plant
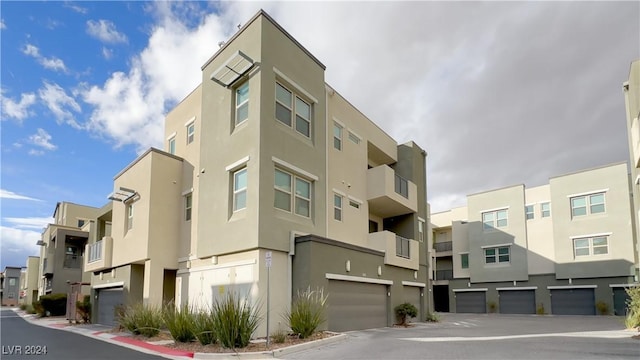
x=54, y=304
x=602, y=307
x=23, y=307
x=279, y=336
x=632, y=321
x=432, y=317
x=540, y=309
x=204, y=327
x=235, y=320
x=307, y=312
x=84, y=309
x=492, y=306
x=139, y=319
x=404, y=312
x=37, y=308
x=180, y=322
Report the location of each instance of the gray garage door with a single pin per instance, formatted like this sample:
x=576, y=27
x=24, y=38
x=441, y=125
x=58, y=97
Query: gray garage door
x=471, y=302
x=517, y=301
x=573, y=302
x=108, y=299
x=354, y=306
x=620, y=298
x=412, y=296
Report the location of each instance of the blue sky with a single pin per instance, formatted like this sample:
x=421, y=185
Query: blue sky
x=498, y=93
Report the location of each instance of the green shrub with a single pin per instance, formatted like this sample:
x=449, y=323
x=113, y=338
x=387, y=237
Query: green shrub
x=54, y=304
x=492, y=306
x=142, y=320
x=235, y=319
x=540, y=309
x=404, y=311
x=30, y=309
x=37, y=308
x=602, y=307
x=307, y=312
x=84, y=309
x=632, y=320
x=204, y=327
x=23, y=307
x=180, y=323
x=433, y=317
x=279, y=336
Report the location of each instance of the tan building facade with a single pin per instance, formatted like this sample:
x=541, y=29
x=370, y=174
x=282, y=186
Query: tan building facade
x=631, y=91
x=29, y=281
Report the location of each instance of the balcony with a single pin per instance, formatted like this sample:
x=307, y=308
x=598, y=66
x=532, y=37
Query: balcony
x=72, y=261
x=444, y=274
x=47, y=265
x=398, y=251
x=98, y=255
x=443, y=246
x=389, y=194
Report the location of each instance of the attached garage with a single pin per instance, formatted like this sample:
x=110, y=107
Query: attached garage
x=620, y=298
x=517, y=301
x=413, y=295
x=356, y=305
x=471, y=301
x=573, y=301
x=108, y=300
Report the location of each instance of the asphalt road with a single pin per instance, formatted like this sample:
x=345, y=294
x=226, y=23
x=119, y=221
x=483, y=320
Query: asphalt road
x=18, y=337
x=470, y=336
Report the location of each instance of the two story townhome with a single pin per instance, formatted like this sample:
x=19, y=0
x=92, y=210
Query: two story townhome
x=11, y=285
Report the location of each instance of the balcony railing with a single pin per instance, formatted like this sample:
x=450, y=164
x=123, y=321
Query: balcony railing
x=443, y=246
x=72, y=261
x=95, y=251
x=403, y=247
x=444, y=274
x=98, y=254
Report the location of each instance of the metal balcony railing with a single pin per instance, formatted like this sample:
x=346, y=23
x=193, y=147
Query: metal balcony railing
x=72, y=261
x=95, y=251
x=444, y=274
x=403, y=246
x=443, y=246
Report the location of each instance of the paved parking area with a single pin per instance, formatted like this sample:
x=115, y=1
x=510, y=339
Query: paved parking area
x=471, y=336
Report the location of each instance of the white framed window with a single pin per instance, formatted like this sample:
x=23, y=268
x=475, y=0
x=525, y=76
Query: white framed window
x=240, y=189
x=289, y=107
x=292, y=192
x=528, y=211
x=12, y=281
x=129, y=216
x=354, y=138
x=403, y=247
x=421, y=230
x=191, y=132
x=494, y=219
x=172, y=145
x=337, y=207
x=545, y=209
x=242, y=103
x=596, y=245
x=188, y=204
x=337, y=136
x=587, y=204
x=497, y=255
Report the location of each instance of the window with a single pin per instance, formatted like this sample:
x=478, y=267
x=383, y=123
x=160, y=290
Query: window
x=587, y=204
x=12, y=281
x=240, y=189
x=494, y=219
x=420, y=230
x=354, y=138
x=80, y=223
x=464, y=261
x=242, y=103
x=354, y=204
x=337, y=136
x=187, y=207
x=301, y=193
x=528, y=210
x=402, y=186
x=337, y=207
x=545, y=209
x=402, y=247
x=129, y=216
x=191, y=132
x=287, y=105
x=597, y=245
x=172, y=145
x=496, y=255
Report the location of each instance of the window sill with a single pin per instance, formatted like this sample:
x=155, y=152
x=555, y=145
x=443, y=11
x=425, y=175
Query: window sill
x=498, y=265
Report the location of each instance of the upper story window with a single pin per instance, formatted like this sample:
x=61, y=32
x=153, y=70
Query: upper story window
x=129, y=216
x=337, y=136
x=528, y=211
x=401, y=186
x=464, y=261
x=80, y=223
x=587, y=204
x=354, y=204
x=403, y=247
x=240, y=189
x=191, y=132
x=354, y=138
x=337, y=207
x=497, y=255
x=597, y=245
x=421, y=230
x=172, y=145
x=289, y=105
x=494, y=219
x=545, y=209
x=242, y=103
x=292, y=192
x=12, y=281
x=188, y=204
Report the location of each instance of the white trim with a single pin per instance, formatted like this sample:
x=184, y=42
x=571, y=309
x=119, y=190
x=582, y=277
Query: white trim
x=495, y=246
x=354, y=133
x=517, y=288
x=413, y=283
x=470, y=290
x=637, y=180
x=572, y=287
x=294, y=168
x=109, y=285
x=355, y=199
x=421, y=219
x=190, y=121
x=219, y=266
x=530, y=204
x=463, y=252
x=339, y=192
x=590, y=235
x=237, y=164
x=295, y=85
x=494, y=209
x=623, y=285
x=589, y=193
x=339, y=122
x=173, y=135
x=330, y=276
x=187, y=192
x=187, y=258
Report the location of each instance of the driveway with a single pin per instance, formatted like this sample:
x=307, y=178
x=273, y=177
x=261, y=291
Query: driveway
x=471, y=336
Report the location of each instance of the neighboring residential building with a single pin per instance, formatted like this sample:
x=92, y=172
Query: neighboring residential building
x=62, y=248
x=29, y=281
x=631, y=89
x=560, y=248
x=11, y=285
x=265, y=165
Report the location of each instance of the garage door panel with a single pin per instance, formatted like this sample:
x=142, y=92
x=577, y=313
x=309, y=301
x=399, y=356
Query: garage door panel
x=517, y=301
x=412, y=296
x=573, y=302
x=108, y=300
x=355, y=306
x=471, y=302
x=620, y=298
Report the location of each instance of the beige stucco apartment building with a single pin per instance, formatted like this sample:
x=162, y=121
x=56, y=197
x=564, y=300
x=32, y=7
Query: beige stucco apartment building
x=631, y=90
x=266, y=166
x=559, y=248
x=29, y=281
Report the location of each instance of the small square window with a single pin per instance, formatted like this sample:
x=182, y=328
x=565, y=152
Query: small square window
x=354, y=204
x=354, y=138
x=545, y=209
x=191, y=133
x=528, y=210
x=464, y=261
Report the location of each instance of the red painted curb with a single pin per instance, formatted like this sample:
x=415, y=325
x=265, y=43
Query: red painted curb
x=60, y=326
x=158, y=348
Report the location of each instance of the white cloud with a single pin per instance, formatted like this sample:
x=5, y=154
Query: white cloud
x=35, y=152
x=105, y=31
x=29, y=223
x=19, y=241
x=6, y=194
x=107, y=53
x=17, y=110
x=51, y=63
x=2, y=24
x=60, y=104
x=77, y=8
x=42, y=139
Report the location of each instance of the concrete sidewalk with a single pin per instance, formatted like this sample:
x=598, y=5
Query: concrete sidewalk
x=125, y=339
